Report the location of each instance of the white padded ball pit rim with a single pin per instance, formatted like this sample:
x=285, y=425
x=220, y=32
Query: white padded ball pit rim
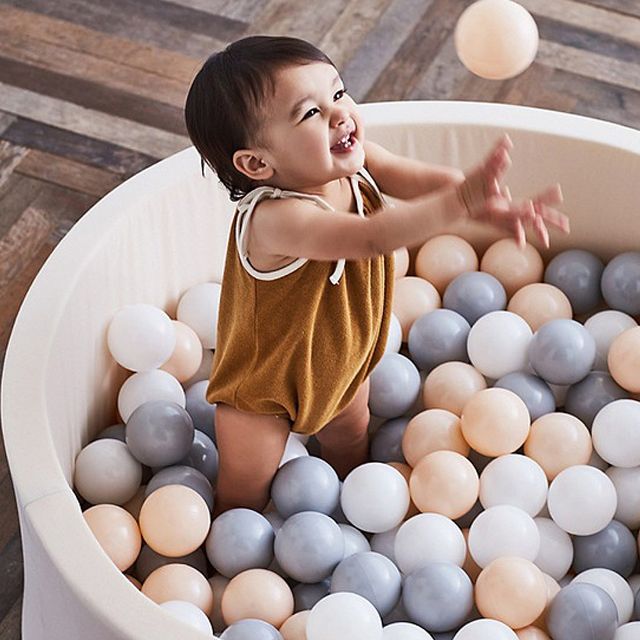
x=164, y=230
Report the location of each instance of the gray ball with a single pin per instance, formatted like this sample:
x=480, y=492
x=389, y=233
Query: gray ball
x=532, y=390
x=636, y=606
x=149, y=560
x=562, y=351
x=202, y=412
x=187, y=476
x=585, y=398
x=240, y=539
x=251, y=629
x=372, y=576
x=577, y=274
x=438, y=596
x=309, y=546
x=115, y=431
x=582, y=611
x=159, y=433
x=306, y=595
x=621, y=283
x=612, y=548
x=473, y=294
x=395, y=386
x=203, y=456
x=305, y=483
x=386, y=441
x=438, y=336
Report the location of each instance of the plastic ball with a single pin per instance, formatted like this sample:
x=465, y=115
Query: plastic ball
x=202, y=374
x=442, y=258
x=354, y=541
x=612, y=548
x=516, y=480
x=384, y=543
x=582, y=500
x=148, y=561
x=485, y=629
x=251, y=629
x=305, y=483
x=394, y=339
x=511, y=590
x=538, y=303
x=556, y=549
x=105, y=471
x=432, y=430
x=344, y=615
x=629, y=631
x=402, y=260
x=179, y=582
x=624, y=359
x=577, y=274
x=605, y=327
x=295, y=627
x=306, y=595
x=159, y=433
x=203, y=456
x=438, y=596
x=585, y=398
x=202, y=412
x=218, y=585
x=375, y=497
x=309, y=546
x=395, y=386
x=562, y=351
x=498, y=344
x=294, y=448
x=616, y=587
x=532, y=390
x=450, y=385
x=495, y=422
x=512, y=266
x=184, y=475
x=582, y=611
x=404, y=631
x=427, y=538
x=190, y=614
x=141, y=337
x=117, y=533
x=174, y=520
x=621, y=283
x=627, y=484
x=386, y=441
x=412, y=298
x=198, y=308
x=531, y=633
x=148, y=386
x=503, y=531
x=615, y=432
x=474, y=294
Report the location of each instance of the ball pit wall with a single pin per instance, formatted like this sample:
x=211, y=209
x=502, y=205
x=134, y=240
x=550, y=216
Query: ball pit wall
x=166, y=229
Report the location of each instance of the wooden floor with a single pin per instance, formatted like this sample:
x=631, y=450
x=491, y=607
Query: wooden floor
x=91, y=92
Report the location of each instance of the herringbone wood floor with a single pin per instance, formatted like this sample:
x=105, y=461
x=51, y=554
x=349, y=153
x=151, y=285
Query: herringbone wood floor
x=92, y=92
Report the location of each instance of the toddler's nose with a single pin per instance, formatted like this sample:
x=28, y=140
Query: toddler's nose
x=339, y=116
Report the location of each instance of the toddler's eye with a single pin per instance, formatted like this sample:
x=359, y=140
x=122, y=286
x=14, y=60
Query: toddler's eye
x=310, y=113
x=339, y=94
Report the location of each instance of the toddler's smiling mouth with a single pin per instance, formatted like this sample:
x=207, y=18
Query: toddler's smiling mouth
x=344, y=144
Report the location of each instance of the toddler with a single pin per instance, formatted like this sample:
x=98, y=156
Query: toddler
x=308, y=277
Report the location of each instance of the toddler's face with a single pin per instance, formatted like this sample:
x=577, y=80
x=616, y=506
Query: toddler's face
x=312, y=131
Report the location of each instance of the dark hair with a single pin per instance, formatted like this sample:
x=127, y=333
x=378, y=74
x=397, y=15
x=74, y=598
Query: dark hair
x=222, y=110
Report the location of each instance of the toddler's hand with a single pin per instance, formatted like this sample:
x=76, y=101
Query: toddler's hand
x=486, y=200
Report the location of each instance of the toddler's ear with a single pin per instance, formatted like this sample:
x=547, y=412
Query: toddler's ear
x=248, y=163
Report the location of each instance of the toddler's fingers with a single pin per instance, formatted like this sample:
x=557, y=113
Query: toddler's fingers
x=541, y=230
x=553, y=217
x=521, y=238
x=551, y=195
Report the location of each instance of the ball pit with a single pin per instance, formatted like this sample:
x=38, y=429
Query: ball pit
x=60, y=383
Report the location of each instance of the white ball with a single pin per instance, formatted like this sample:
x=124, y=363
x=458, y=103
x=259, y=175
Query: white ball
x=616, y=433
x=146, y=386
x=516, y=480
x=615, y=585
x=141, y=337
x=405, y=631
x=629, y=631
x=582, y=500
x=426, y=538
x=198, y=307
x=293, y=449
x=556, y=549
x=605, y=327
x=344, y=615
x=503, y=531
x=496, y=39
x=375, y=497
x=354, y=540
x=485, y=629
x=190, y=614
x=498, y=344
x=394, y=338
x=627, y=484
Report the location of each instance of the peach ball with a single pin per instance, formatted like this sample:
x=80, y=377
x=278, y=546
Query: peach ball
x=512, y=266
x=471, y=568
x=624, y=360
x=444, y=257
x=552, y=589
x=402, y=259
x=187, y=354
x=174, y=520
x=135, y=504
x=511, y=590
x=495, y=422
x=412, y=298
x=260, y=594
x=451, y=385
x=444, y=482
x=531, y=633
x=179, y=582
x=540, y=302
x=218, y=584
x=432, y=430
x=557, y=441
x=295, y=627
x=405, y=470
x=117, y=533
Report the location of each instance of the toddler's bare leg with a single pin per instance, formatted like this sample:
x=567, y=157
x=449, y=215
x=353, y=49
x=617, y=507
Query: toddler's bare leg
x=250, y=447
x=344, y=442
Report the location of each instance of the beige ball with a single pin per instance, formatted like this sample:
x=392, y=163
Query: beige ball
x=295, y=627
x=405, y=470
x=531, y=633
x=471, y=568
x=624, y=360
x=513, y=267
x=538, y=303
x=412, y=298
x=187, y=354
x=402, y=260
x=179, y=582
x=450, y=385
x=218, y=584
x=496, y=39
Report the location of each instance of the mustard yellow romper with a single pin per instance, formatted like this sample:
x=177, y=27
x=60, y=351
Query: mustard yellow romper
x=298, y=341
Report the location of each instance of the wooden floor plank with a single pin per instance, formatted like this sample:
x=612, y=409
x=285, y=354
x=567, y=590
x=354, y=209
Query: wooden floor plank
x=10, y=625
x=16, y=194
x=10, y=156
x=626, y=8
x=11, y=577
x=9, y=527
